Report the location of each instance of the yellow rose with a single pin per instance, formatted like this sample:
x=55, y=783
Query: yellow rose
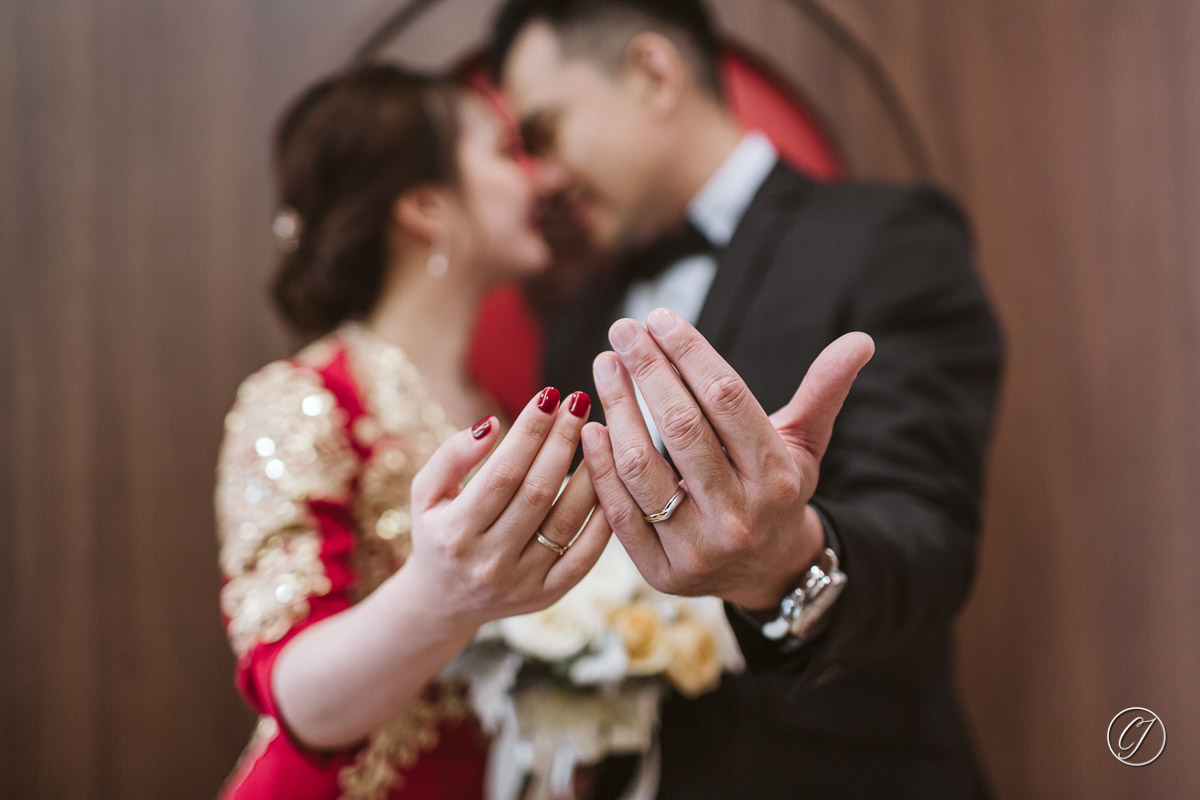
x=695, y=666
x=644, y=635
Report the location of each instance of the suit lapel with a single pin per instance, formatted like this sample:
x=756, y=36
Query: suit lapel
x=742, y=264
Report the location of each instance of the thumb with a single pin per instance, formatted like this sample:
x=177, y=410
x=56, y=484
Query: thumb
x=806, y=422
x=443, y=473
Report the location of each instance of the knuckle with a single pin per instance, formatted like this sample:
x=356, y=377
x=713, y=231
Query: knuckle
x=502, y=477
x=533, y=430
x=772, y=462
x=573, y=572
x=601, y=467
x=687, y=342
x=738, y=536
x=741, y=544
x=726, y=394
x=700, y=564
x=452, y=547
x=682, y=423
x=783, y=487
x=689, y=348
x=633, y=462
x=566, y=435
x=624, y=518
x=458, y=519
x=643, y=364
x=555, y=528
x=486, y=573
x=537, y=491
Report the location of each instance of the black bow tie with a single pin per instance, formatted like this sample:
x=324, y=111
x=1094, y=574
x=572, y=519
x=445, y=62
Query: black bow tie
x=671, y=249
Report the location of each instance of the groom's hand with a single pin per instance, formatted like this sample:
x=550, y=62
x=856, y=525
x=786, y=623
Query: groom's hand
x=745, y=532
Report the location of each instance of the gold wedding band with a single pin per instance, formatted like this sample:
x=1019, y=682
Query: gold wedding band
x=668, y=509
x=558, y=549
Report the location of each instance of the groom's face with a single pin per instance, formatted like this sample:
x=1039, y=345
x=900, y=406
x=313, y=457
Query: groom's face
x=597, y=146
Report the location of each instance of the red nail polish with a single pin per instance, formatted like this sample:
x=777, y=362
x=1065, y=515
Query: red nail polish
x=579, y=404
x=547, y=399
x=480, y=429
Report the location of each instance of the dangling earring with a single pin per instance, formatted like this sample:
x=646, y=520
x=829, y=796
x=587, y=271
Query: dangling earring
x=439, y=256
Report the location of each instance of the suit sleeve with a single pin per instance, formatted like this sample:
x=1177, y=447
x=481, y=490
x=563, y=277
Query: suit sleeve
x=283, y=488
x=901, y=483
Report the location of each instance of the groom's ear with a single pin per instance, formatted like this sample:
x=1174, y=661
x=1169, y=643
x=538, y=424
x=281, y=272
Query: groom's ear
x=422, y=212
x=657, y=71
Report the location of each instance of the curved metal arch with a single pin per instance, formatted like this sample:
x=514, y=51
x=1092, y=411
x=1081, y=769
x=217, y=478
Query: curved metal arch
x=872, y=68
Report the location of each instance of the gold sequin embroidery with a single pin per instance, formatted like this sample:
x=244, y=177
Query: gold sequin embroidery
x=285, y=445
x=403, y=425
x=270, y=547
x=397, y=746
x=263, y=603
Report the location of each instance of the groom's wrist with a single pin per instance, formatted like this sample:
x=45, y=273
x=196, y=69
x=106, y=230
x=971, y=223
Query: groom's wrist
x=789, y=568
x=802, y=612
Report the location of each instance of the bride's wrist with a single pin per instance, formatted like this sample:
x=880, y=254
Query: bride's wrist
x=413, y=591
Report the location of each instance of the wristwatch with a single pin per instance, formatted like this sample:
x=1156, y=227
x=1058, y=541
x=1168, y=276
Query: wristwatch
x=803, y=613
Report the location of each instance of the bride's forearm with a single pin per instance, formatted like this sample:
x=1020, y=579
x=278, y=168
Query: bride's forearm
x=347, y=675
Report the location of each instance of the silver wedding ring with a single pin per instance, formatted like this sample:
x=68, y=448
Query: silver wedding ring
x=669, y=508
x=558, y=549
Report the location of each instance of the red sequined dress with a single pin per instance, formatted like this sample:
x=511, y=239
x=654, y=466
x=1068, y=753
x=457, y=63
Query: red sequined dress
x=312, y=508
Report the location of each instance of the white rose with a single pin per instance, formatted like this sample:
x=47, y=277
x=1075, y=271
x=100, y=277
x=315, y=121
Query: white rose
x=555, y=633
x=608, y=664
x=612, y=582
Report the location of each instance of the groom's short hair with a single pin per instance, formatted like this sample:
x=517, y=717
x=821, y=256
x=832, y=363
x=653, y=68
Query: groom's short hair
x=602, y=30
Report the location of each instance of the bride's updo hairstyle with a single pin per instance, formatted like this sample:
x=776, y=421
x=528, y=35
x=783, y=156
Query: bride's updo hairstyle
x=344, y=151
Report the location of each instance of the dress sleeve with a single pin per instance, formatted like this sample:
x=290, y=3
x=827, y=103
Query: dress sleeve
x=283, y=496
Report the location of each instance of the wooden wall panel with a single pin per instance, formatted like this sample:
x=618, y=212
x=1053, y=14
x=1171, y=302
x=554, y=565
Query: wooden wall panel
x=134, y=208
x=134, y=251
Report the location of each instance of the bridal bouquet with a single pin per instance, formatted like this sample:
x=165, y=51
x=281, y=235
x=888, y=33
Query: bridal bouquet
x=583, y=679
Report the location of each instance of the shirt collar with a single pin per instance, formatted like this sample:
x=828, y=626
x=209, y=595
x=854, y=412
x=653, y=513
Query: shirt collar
x=718, y=207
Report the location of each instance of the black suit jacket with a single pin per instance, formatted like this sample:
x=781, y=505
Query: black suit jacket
x=867, y=709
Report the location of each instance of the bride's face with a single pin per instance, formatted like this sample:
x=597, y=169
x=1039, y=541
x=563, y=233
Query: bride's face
x=498, y=195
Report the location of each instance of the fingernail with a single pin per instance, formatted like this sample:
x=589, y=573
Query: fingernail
x=480, y=429
x=591, y=438
x=622, y=334
x=662, y=321
x=547, y=399
x=579, y=404
x=604, y=367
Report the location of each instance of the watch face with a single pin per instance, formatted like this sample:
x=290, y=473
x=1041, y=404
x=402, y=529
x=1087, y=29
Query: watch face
x=807, y=622
x=801, y=612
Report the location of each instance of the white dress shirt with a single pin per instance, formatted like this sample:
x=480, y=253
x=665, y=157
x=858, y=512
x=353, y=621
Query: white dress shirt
x=715, y=211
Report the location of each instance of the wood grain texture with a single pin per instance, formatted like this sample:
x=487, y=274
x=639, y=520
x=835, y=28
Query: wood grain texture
x=135, y=210
x=1069, y=130
x=134, y=251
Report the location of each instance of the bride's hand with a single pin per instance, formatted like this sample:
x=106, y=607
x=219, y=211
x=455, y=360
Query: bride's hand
x=476, y=548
